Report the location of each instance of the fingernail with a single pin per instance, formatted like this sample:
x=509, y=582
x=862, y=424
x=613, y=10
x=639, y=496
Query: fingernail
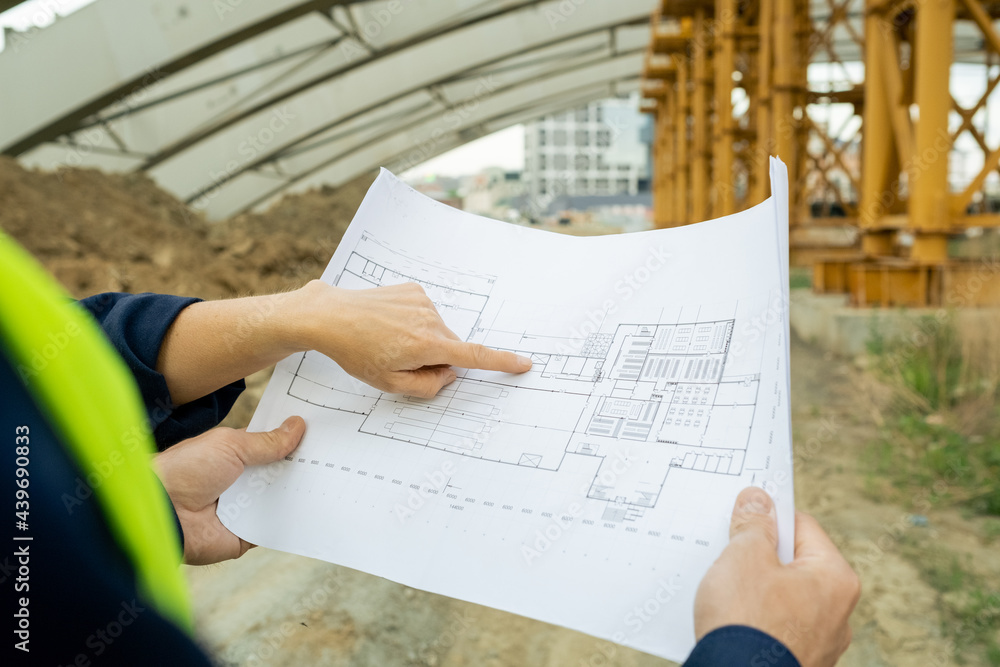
x=524, y=362
x=758, y=502
x=286, y=425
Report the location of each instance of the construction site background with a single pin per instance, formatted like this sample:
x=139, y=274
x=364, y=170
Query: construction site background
x=895, y=454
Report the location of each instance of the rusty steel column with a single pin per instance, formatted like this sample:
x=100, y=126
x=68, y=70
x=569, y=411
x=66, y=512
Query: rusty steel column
x=681, y=216
x=785, y=59
x=699, y=111
x=933, y=53
x=670, y=155
x=663, y=157
x=722, y=141
x=878, y=146
x=764, y=144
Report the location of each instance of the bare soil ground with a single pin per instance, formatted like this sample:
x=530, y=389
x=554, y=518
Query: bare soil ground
x=99, y=232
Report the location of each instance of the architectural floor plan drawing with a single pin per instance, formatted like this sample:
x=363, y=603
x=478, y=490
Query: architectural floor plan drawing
x=660, y=384
x=659, y=389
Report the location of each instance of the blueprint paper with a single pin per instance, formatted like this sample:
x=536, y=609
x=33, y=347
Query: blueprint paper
x=592, y=492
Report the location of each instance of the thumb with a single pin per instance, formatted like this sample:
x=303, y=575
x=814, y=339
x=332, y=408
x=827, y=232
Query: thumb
x=755, y=523
x=267, y=446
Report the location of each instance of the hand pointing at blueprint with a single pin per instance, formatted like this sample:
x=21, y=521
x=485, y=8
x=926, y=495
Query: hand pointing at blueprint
x=408, y=349
x=584, y=491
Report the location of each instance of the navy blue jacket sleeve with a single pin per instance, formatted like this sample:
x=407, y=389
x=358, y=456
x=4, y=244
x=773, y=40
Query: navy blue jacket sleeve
x=136, y=324
x=740, y=646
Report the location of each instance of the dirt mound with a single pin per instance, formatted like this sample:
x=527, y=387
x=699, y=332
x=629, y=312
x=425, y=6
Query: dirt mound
x=322, y=211
x=291, y=242
x=98, y=232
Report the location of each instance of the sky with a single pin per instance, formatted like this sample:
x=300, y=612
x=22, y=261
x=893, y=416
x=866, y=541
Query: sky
x=504, y=149
x=38, y=13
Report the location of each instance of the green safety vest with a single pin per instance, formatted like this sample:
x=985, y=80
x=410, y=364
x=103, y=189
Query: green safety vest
x=91, y=400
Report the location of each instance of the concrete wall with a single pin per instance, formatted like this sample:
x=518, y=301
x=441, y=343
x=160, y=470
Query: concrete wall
x=827, y=320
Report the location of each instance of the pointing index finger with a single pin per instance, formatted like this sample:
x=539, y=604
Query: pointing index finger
x=473, y=355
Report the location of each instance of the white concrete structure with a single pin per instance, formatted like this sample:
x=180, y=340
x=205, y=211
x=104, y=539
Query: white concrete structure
x=595, y=149
x=231, y=103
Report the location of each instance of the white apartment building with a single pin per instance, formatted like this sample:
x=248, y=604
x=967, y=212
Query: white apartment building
x=599, y=149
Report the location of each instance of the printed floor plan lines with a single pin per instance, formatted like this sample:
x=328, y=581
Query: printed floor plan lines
x=572, y=492
x=655, y=391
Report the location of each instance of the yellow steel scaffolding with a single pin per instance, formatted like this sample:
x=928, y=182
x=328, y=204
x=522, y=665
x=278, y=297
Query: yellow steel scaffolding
x=730, y=83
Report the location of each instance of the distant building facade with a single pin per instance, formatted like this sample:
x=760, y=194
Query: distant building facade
x=441, y=188
x=602, y=148
x=492, y=192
